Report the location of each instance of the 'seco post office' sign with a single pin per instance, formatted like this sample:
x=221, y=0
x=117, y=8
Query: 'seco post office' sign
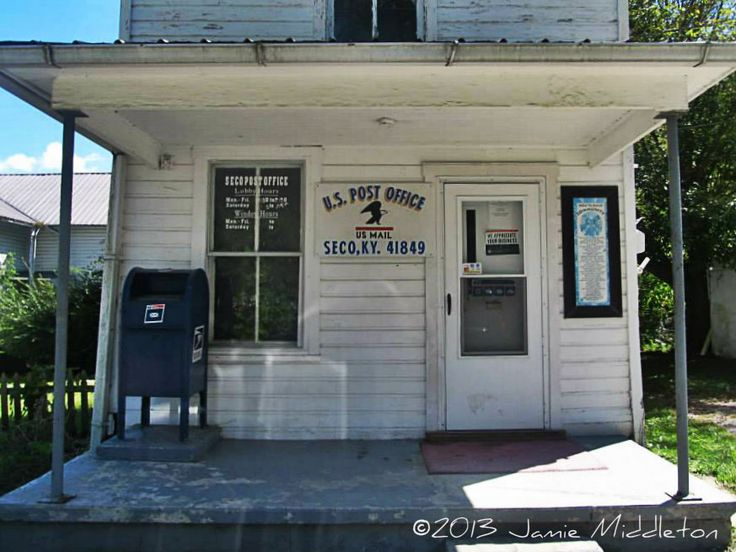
x=373, y=220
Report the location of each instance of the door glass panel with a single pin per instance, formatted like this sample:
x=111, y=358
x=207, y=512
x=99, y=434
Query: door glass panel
x=493, y=316
x=493, y=237
x=492, y=279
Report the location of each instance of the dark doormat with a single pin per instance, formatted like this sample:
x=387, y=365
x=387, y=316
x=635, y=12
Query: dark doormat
x=507, y=457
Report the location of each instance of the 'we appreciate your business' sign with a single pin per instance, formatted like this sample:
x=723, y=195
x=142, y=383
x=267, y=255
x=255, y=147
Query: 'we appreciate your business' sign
x=373, y=220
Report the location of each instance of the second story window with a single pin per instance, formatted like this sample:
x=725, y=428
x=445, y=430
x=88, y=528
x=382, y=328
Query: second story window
x=381, y=20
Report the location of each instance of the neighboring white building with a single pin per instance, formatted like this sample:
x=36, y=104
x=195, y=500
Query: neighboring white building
x=400, y=237
x=722, y=290
x=29, y=215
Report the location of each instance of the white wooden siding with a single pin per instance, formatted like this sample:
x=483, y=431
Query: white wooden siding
x=595, y=386
x=87, y=246
x=368, y=380
x=157, y=216
x=526, y=20
x=370, y=377
x=233, y=20
x=15, y=239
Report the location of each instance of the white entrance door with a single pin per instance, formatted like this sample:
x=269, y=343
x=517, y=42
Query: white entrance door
x=493, y=307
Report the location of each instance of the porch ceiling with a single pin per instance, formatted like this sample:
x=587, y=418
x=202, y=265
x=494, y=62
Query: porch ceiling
x=139, y=99
x=517, y=127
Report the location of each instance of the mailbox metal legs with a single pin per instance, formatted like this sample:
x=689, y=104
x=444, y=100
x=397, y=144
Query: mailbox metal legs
x=146, y=414
x=203, y=409
x=145, y=411
x=184, y=419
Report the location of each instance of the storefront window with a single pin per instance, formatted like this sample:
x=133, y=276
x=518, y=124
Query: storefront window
x=257, y=251
x=375, y=20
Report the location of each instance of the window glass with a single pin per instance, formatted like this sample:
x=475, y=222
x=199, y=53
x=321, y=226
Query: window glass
x=280, y=207
x=493, y=316
x=353, y=20
x=395, y=20
x=278, y=304
x=235, y=298
x=257, y=249
x=234, y=210
x=493, y=235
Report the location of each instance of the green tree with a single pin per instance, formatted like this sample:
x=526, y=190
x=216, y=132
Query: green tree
x=708, y=158
x=28, y=317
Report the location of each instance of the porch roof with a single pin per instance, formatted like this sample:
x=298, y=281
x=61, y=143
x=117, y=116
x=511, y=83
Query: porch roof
x=141, y=98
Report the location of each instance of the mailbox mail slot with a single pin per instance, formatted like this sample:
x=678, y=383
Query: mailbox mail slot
x=163, y=341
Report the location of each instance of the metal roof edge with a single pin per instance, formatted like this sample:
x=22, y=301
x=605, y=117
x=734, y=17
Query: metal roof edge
x=26, y=220
x=61, y=55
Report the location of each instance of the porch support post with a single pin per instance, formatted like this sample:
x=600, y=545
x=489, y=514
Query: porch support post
x=62, y=310
x=678, y=280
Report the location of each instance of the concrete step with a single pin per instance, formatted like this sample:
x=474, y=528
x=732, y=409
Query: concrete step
x=567, y=546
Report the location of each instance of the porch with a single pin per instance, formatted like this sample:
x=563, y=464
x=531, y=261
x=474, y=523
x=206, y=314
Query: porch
x=361, y=495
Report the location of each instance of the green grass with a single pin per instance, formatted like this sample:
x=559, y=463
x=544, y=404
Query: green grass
x=712, y=447
x=25, y=452
x=25, y=447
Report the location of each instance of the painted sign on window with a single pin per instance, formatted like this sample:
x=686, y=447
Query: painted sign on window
x=255, y=204
x=373, y=220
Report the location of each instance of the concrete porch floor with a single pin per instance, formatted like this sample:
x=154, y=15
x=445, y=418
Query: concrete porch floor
x=322, y=496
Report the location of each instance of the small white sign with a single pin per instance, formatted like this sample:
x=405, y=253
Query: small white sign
x=197, y=344
x=472, y=269
x=502, y=242
x=154, y=314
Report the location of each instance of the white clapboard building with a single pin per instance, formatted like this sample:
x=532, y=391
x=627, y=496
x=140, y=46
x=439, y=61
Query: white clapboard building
x=415, y=216
x=29, y=220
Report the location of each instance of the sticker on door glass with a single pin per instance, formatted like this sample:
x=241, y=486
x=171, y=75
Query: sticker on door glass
x=154, y=314
x=472, y=269
x=502, y=242
x=198, y=344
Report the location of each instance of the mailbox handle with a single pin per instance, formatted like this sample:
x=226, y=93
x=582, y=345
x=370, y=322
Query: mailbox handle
x=449, y=304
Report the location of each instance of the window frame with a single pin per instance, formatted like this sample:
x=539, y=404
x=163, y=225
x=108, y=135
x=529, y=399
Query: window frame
x=422, y=7
x=213, y=255
x=309, y=160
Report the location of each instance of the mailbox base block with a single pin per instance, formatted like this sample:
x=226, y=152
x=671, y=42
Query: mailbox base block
x=160, y=443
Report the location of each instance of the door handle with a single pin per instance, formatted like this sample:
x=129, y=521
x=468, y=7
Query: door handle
x=449, y=304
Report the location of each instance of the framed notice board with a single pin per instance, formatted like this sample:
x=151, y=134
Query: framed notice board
x=591, y=252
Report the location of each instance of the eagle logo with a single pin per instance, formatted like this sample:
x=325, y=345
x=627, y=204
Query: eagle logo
x=374, y=208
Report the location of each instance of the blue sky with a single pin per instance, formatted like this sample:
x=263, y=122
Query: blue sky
x=29, y=140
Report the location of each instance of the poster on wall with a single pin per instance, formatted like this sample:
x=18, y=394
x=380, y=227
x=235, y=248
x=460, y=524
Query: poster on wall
x=591, y=252
x=373, y=220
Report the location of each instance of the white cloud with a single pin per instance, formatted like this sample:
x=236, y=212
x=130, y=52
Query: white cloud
x=87, y=163
x=18, y=163
x=50, y=161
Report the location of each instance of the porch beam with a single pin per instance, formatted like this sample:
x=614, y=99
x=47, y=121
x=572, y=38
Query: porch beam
x=114, y=89
x=678, y=281
x=628, y=130
x=128, y=139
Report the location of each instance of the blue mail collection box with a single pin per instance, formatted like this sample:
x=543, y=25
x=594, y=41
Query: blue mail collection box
x=163, y=341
